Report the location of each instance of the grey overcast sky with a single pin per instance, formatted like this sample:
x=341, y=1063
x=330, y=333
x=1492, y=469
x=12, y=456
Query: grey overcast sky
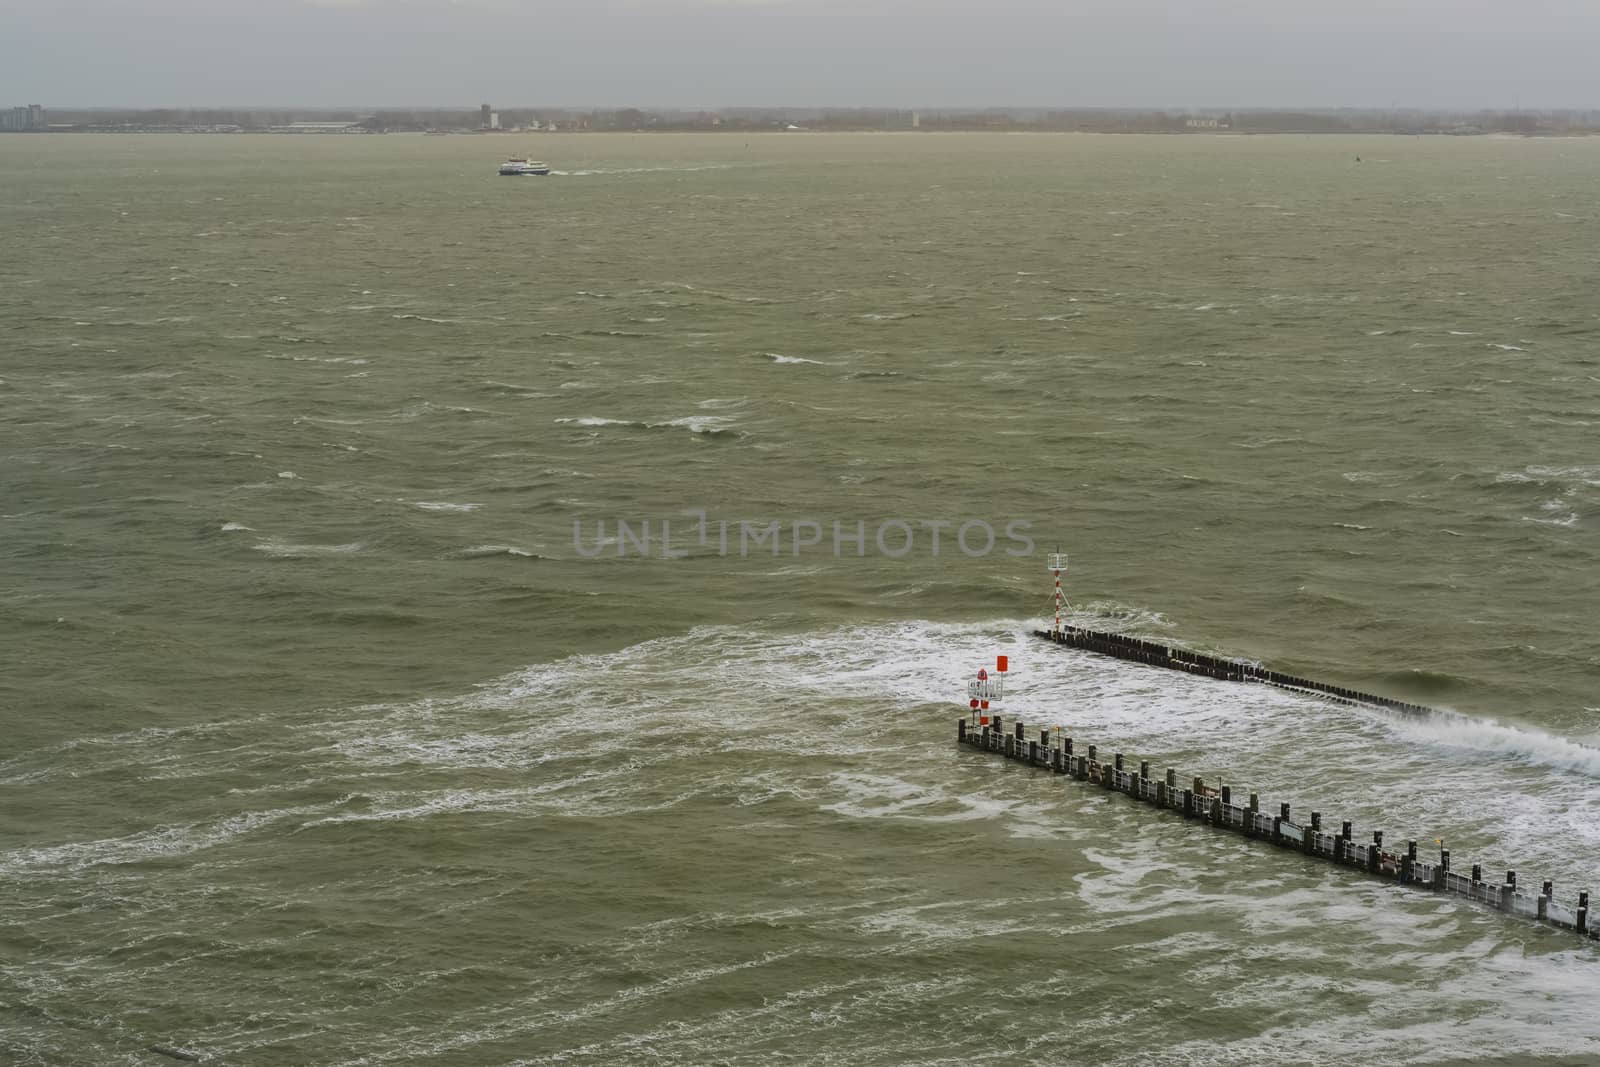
x=709, y=53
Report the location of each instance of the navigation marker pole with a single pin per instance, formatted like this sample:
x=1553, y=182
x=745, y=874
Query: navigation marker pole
x=1057, y=562
x=984, y=688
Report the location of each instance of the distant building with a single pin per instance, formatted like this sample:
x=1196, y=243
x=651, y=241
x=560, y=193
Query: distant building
x=1204, y=124
x=484, y=114
x=18, y=119
x=494, y=120
x=320, y=127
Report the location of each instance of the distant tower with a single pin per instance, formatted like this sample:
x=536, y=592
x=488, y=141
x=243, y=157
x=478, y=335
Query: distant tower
x=916, y=120
x=35, y=117
x=494, y=120
x=483, y=117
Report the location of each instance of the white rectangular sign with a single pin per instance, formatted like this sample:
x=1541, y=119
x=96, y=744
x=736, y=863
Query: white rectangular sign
x=989, y=689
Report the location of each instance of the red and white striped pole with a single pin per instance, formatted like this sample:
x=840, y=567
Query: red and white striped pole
x=1057, y=562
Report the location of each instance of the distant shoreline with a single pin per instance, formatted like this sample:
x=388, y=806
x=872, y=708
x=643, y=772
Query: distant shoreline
x=1014, y=131
x=485, y=120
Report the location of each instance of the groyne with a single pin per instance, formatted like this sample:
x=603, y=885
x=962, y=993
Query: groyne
x=1216, y=808
x=1155, y=654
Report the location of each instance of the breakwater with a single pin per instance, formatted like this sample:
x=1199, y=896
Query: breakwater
x=1216, y=807
x=1154, y=654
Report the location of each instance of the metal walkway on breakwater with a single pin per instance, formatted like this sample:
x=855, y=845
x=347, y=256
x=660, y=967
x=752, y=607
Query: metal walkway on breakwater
x=1153, y=654
x=1215, y=807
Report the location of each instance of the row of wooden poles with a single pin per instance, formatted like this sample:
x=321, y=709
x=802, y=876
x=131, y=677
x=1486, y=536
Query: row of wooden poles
x=1151, y=653
x=1216, y=807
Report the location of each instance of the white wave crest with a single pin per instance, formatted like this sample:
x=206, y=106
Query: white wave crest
x=699, y=423
x=479, y=551
x=1523, y=744
x=595, y=420
x=283, y=550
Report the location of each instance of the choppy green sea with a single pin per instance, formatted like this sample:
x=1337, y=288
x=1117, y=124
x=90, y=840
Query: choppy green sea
x=323, y=741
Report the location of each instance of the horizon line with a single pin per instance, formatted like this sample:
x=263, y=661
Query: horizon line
x=1382, y=109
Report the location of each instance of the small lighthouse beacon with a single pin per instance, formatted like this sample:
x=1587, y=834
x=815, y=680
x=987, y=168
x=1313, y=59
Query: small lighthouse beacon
x=1057, y=563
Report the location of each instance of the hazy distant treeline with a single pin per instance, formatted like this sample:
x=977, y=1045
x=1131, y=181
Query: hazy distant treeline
x=1105, y=120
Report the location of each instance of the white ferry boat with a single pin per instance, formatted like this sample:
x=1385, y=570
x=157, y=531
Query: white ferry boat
x=513, y=168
